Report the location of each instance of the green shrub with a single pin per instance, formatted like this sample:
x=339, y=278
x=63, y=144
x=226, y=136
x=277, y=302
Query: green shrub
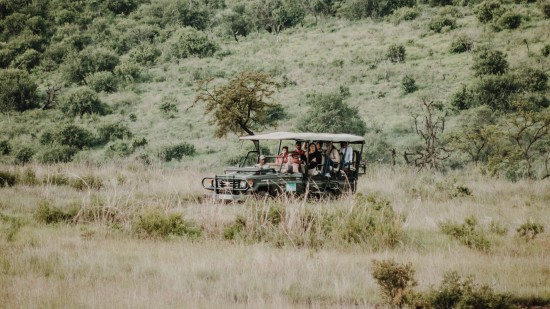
x=102, y=81
x=88, y=61
x=468, y=233
x=406, y=14
x=498, y=228
x=168, y=106
x=187, y=42
x=7, y=179
x=27, y=60
x=86, y=182
x=462, y=43
x=18, y=92
x=509, y=20
x=545, y=50
x=235, y=230
x=176, y=152
x=5, y=148
x=396, y=53
x=545, y=8
x=49, y=214
x=529, y=230
x=139, y=142
x=114, y=131
x=121, y=6
x=119, y=149
x=128, y=71
x=23, y=155
x=395, y=281
x=81, y=100
x=439, y=23
x=463, y=99
x=496, y=91
x=75, y=136
x=531, y=79
x=57, y=154
x=158, y=225
x=145, y=54
x=487, y=61
x=408, y=84
x=455, y=292
x=488, y=11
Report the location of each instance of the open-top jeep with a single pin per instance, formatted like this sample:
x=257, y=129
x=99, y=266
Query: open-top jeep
x=276, y=175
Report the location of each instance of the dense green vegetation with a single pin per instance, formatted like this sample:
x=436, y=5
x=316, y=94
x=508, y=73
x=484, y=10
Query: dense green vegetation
x=70, y=70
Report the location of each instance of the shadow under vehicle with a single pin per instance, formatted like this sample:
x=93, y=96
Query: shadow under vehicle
x=276, y=177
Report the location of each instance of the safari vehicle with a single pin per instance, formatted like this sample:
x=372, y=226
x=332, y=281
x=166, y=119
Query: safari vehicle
x=275, y=177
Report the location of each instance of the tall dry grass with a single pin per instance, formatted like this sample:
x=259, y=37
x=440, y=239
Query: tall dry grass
x=100, y=262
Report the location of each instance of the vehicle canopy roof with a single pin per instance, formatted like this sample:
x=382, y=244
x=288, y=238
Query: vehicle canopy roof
x=307, y=136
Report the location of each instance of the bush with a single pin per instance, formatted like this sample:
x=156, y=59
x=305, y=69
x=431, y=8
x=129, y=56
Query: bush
x=187, y=42
x=145, y=54
x=439, y=23
x=7, y=179
x=119, y=149
x=86, y=182
x=157, y=225
x=496, y=91
x=396, y=53
x=18, y=92
x=329, y=113
x=57, y=154
x=81, y=100
x=27, y=60
x=128, y=71
x=102, y=81
x=455, y=292
x=235, y=230
x=396, y=281
x=114, y=131
x=177, y=152
x=406, y=13
x=74, y=136
x=49, y=214
x=529, y=230
x=5, y=148
x=531, y=79
x=488, y=61
x=468, y=233
x=23, y=155
x=545, y=50
x=462, y=43
x=545, y=8
x=88, y=61
x=408, y=84
x=509, y=20
x=488, y=10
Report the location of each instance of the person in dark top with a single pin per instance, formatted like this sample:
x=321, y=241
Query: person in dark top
x=314, y=157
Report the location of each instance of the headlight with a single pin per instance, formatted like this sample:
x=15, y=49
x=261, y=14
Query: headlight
x=242, y=184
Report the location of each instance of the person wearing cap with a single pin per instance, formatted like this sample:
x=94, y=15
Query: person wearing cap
x=262, y=163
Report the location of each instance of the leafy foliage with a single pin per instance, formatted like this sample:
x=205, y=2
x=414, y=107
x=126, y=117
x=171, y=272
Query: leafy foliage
x=509, y=20
x=408, y=84
x=7, y=179
x=187, y=42
x=488, y=11
x=81, y=100
x=396, y=53
x=57, y=154
x=176, y=152
x=462, y=43
x=438, y=23
x=395, y=281
x=157, y=225
x=277, y=15
x=487, y=61
x=468, y=233
x=18, y=92
x=329, y=113
x=242, y=105
x=529, y=230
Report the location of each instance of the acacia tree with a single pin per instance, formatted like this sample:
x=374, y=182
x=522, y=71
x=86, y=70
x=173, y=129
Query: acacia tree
x=429, y=128
x=277, y=15
x=241, y=106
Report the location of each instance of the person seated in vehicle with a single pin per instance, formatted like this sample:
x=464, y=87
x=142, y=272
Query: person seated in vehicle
x=298, y=149
x=282, y=158
x=314, y=158
x=262, y=164
x=332, y=156
x=294, y=161
x=347, y=154
x=319, y=145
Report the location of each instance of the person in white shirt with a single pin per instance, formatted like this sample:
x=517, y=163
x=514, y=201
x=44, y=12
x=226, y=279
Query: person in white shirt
x=347, y=154
x=262, y=164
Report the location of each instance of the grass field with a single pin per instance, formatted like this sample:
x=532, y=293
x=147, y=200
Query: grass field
x=101, y=262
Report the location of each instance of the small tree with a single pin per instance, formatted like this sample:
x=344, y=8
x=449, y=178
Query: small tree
x=329, y=113
x=81, y=100
x=277, y=15
x=18, y=92
x=243, y=105
x=432, y=149
x=488, y=61
x=396, y=281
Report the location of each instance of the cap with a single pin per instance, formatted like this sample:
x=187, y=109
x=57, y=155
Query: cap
x=262, y=157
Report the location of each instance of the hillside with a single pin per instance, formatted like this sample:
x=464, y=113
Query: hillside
x=128, y=54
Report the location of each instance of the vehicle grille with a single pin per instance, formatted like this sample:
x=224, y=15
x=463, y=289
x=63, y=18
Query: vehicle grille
x=227, y=183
